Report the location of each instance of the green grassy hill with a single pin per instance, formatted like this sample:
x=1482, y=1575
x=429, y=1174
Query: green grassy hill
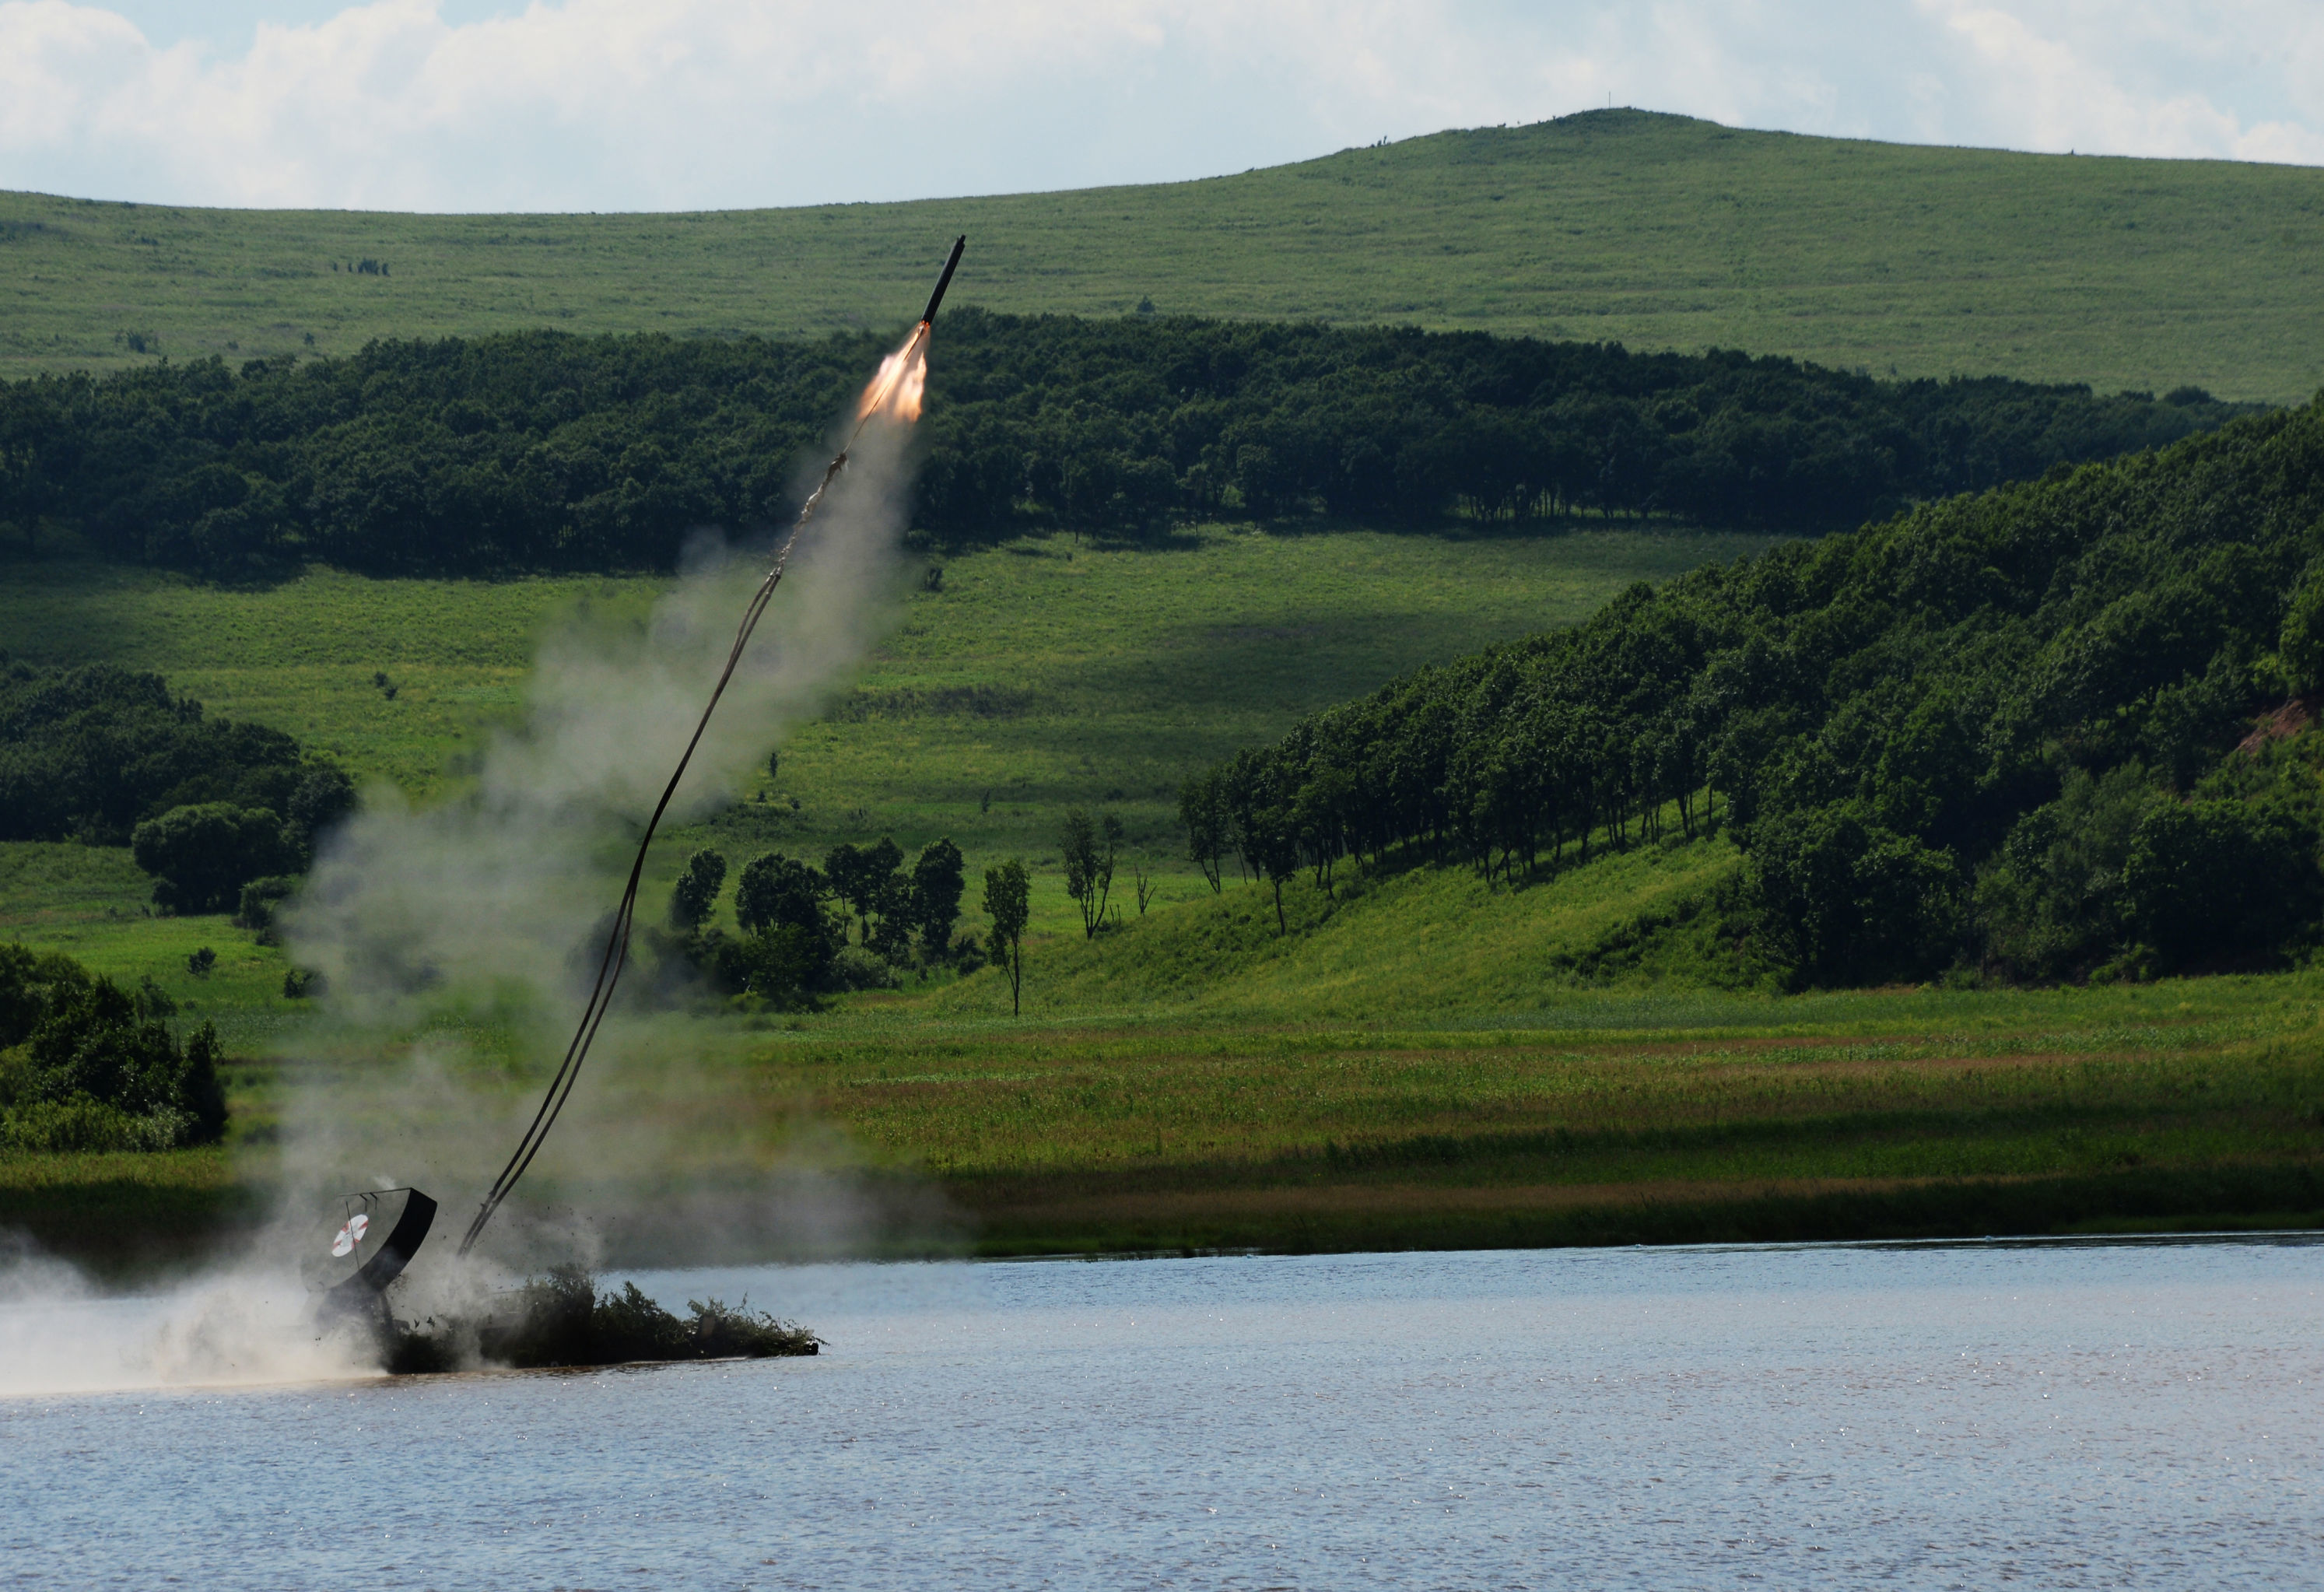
x=1041, y=675
x=1659, y=231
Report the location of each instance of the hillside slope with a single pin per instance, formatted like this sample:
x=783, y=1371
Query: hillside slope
x=1431, y=943
x=1659, y=231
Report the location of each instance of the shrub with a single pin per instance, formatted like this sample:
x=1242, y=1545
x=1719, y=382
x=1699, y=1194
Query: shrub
x=561, y=1320
x=202, y=856
x=83, y=1057
x=258, y=900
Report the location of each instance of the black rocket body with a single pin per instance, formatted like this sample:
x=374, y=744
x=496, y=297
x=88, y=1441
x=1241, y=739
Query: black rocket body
x=617, y=939
x=944, y=282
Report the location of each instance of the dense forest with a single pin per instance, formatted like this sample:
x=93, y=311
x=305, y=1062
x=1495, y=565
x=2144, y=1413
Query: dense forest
x=111, y=756
x=2048, y=731
x=539, y=450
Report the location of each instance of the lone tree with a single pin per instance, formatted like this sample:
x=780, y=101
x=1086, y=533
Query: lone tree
x=1202, y=806
x=1090, y=850
x=937, y=880
x=1007, y=898
x=697, y=890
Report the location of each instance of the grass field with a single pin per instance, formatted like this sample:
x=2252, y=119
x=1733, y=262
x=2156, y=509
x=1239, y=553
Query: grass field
x=1417, y=1061
x=1043, y=673
x=1656, y=231
x=1134, y=1108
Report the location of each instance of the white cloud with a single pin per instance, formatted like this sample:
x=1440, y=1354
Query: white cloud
x=672, y=104
x=2065, y=75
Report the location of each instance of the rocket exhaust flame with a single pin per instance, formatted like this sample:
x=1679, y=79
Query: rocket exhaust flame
x=895, y=393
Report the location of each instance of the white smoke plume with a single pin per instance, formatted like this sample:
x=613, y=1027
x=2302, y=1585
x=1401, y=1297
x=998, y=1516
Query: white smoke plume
x=496, y=905
x=497, y=893
x=249, y=1325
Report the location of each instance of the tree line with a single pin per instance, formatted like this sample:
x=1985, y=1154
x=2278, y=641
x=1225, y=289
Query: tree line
x=210, y=807
x=793, y=921
x=541, y=450
x=2047, y=731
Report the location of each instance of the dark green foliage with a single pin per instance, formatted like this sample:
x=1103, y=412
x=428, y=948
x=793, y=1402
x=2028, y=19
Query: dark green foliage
x=1090, y=849
x=697, y=890
x=1008, y=901
x=939, y=877
x=776, y=891
x=88, y=754
x=784, y=953
x=538, y=450
x=2301, y=640
x=1203, y=808
x=85, y=1064
x=2051, y=904
x=201, y=856
x=561, y=1320
x=863, y=879
x=792, y=948
x=1852, y=900
x=782, y=963
x=322, y=797
x=256, y=906
x=2041, y=689
x=2221, y=882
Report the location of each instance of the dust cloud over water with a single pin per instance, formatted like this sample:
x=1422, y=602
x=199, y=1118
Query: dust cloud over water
x=2118, y=1414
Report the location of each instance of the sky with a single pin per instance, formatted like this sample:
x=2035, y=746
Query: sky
x=660, y=105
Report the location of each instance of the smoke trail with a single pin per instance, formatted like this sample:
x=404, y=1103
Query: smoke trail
x=486, y=904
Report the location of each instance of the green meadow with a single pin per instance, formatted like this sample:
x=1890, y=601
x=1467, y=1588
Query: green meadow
x=1656, y=231
x=1417, y=1056
x=1038, y=674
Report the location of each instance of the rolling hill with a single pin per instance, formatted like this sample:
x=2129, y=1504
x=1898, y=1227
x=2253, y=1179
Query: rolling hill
x=1657, y=231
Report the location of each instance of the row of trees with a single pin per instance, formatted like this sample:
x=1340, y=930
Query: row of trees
x=541, y=450
x=2013, y=729
x=794, y=919
x=110, y=757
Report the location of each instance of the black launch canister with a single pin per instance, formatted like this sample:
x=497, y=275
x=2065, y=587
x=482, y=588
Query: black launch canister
x=944, y=280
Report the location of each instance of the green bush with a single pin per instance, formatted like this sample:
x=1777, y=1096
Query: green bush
x=2301, y=644
x=84, y=1065
x=561, y=1320
x=202, y=856
x=258, y=900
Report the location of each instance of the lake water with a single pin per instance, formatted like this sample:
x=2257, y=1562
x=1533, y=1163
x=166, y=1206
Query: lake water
x=2134, y=1414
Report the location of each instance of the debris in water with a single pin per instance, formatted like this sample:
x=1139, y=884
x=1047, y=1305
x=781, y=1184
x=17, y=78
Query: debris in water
x=561, y=1320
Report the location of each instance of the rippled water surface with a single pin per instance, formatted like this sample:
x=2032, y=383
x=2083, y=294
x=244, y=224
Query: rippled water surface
x=2112, y=1415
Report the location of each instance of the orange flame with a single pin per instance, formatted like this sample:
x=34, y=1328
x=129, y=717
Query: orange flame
x=903, y=375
